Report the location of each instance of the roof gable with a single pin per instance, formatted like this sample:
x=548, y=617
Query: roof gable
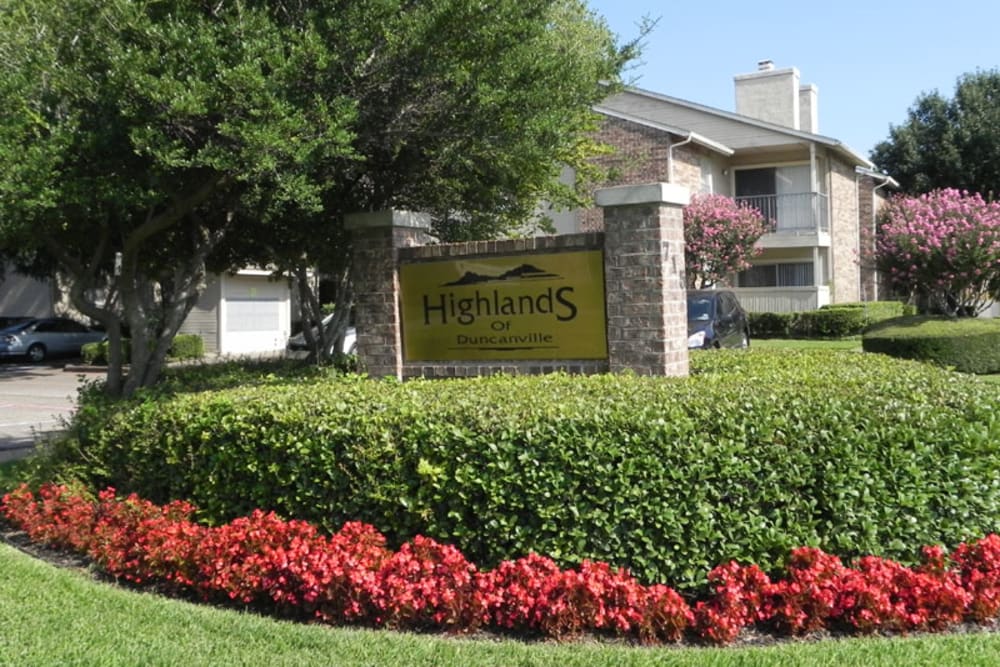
x=729, y=129
x=690, y=135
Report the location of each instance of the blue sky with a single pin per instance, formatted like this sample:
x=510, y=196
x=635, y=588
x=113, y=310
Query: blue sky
x=870, y=60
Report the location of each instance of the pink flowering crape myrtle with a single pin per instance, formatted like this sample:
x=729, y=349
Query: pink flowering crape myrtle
x=943, y=247
x=719, y=238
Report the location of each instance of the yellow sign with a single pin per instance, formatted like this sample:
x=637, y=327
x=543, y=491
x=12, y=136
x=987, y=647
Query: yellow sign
x=542, y=306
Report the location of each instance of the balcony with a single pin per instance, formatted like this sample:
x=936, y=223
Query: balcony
x=782, y=299
x=796, y=220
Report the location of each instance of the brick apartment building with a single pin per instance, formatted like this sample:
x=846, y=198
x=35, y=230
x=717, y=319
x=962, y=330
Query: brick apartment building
x=817, y=192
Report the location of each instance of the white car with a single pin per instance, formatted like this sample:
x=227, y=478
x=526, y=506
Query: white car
x=297, y=343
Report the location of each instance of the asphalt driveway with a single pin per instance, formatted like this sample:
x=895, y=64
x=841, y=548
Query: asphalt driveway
x=33, y=400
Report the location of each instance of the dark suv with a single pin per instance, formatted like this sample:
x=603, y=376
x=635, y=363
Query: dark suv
x=716, y=319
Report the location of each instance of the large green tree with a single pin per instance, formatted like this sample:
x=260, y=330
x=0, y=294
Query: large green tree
x=146, y=142
x=948, y=143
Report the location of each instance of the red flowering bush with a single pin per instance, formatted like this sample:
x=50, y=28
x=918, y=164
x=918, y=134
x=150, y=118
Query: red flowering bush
x=428, y=585
x=251, y=559
x=532, y=594
x=881, y=595
x=595, y=597
x=169, y=548
x=119, y=542
x=807, y=597
x=979, y=568
x=58, y=517
x=346, y=576
x=665, y=616
x=739, y=599
x=351, y=577
x=515, y=594
x=719, y=238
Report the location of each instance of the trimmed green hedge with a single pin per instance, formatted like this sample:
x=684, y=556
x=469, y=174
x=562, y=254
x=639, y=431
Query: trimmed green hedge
x=832, y=321
x=771, y=325
x=754, y=454
x=185, y=346
x=967, y=345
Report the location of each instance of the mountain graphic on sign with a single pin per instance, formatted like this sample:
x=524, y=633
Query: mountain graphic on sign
x=523, y=272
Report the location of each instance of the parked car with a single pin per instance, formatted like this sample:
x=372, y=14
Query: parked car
x=716, y=319
x=297, y=343
x=41, y=338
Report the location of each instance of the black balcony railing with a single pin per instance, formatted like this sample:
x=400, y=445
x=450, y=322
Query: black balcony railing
x=799, y=213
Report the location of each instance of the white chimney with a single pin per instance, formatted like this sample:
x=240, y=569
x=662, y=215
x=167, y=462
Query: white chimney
x=771, y=95
x=808, y=108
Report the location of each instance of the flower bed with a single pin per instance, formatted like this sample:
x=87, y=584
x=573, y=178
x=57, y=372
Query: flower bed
x=754, y=454
x=351, y=577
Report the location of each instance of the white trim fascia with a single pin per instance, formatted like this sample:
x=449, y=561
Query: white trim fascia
x=699, y=139
x=798, y=134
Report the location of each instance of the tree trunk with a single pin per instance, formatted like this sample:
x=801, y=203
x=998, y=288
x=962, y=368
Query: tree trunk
x=156, y=308
x=331, y=336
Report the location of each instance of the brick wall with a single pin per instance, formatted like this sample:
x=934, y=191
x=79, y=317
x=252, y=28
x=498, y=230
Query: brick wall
x=873, y=284
x=869, y=277
x=647, y=302
x=376, y=243
x=844, y=230
x=643, y=259
x=639, y=155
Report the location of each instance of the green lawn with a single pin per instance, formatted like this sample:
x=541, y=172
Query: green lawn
x=50, y=616
x=817, y=344
x=805, y=344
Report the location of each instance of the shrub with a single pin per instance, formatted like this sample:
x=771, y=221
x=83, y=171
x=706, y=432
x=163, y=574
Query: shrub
x=830, y=321
x=185, y=346
x=752, y=455
x=771, y=325
x=967, y=345
x=96, y=354
x=876, y=311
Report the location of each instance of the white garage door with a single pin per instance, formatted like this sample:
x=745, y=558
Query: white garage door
x=255, y=315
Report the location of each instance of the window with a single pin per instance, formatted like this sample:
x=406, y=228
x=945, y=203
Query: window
x=700, y=308
x=69, y=326
x=755, y=182
x=777, y=275
x=795, y=179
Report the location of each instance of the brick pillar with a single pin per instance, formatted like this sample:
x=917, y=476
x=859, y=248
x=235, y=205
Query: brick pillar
x=376, y=238
x=644, y=278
